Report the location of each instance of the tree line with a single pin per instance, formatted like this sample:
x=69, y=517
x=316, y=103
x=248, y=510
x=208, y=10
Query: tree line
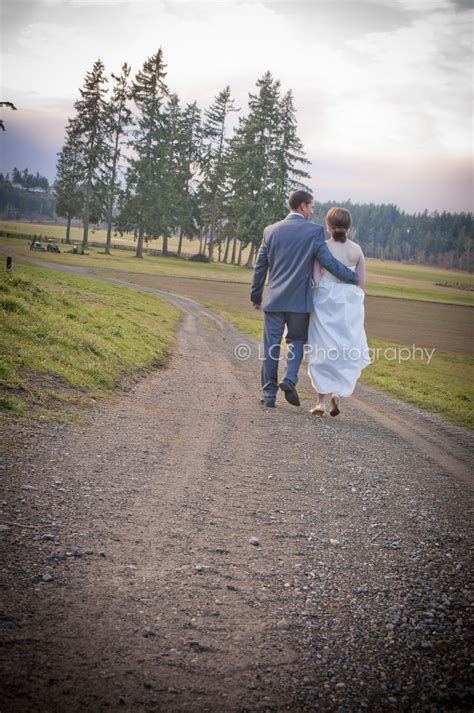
x=28, y=180
x=22, y=203
x=139, y=159
x=385, y=232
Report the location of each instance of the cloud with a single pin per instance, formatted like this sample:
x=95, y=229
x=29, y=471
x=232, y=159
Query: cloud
x=420, y=83
x=425, y=6
x=339, y=20
x=463, y=5
x=372, y=80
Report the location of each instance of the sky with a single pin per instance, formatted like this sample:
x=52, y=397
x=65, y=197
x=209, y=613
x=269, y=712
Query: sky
x=382, y=88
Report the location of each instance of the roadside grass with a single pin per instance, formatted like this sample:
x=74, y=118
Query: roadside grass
x=441, y=387
x=442, y=295
x=423, y=273
x=444, y=386
x=69, y=339
x=124, y=260
x=384, y=278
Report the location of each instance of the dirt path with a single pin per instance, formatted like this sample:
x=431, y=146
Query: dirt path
x=356, y=598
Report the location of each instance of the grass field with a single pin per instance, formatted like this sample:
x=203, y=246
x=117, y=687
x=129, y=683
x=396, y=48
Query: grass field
x=190, y=247
x=443, y=326
x=67, y=339
x=443, y=387
x=385, y=278
x=124, y=260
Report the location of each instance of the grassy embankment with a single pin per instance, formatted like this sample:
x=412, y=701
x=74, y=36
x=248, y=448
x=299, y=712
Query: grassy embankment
x=385, y=278
x=443, y=386
x=68, y=339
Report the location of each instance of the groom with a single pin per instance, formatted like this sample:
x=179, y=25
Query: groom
x=287, y=253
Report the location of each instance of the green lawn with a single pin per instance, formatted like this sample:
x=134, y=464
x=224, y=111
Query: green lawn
x=125, y=260
x=190, y=247
x=418, y=282
x=443, y=386
x=66, y=339
x=384, y=278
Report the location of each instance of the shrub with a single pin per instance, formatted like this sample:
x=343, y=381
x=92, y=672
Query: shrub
x=200, y=257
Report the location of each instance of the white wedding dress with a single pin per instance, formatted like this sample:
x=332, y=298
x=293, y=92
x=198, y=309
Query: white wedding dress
x=337, y=343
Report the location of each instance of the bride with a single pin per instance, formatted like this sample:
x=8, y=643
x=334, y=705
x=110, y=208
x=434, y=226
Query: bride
x=337, y=342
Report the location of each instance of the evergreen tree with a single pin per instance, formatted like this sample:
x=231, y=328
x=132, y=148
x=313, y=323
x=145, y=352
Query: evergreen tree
x=256, y=165
x=120, y=118
x=214, y=164
x=188, y=215
x=28, y=180
x=69, y=176
x=172, y=170
x=290, y=153
x=142, y=205
x=92, y=126
x=17, y=177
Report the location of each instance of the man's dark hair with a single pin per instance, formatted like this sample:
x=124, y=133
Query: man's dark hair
x=299, y=197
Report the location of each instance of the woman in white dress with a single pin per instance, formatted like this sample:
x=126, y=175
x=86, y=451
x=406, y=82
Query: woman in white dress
x=337, y=342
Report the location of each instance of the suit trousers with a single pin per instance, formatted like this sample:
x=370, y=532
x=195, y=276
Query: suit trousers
x=296, y=337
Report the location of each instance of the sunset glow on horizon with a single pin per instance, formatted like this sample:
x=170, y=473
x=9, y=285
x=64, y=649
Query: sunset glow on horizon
x=382, y=88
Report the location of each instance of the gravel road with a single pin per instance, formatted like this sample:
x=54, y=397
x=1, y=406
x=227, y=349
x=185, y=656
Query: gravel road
x=185, y=549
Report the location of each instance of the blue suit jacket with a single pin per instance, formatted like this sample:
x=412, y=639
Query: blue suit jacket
x=287, y=253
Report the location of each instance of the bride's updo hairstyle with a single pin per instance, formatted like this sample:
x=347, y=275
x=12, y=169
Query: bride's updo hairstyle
x=338, y=221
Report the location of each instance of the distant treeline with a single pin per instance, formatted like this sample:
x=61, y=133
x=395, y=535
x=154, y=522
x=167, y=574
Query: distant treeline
x=26, y=203
x=28, y=180
x=386, y=232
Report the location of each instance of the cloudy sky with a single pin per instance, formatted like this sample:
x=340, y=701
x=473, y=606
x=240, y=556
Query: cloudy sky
x=382, y=87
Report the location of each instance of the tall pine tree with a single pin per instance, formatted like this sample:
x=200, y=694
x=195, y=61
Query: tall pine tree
x=143, y=206
x=119, y=118
x=254, y=166
x=69, y=176
x=264, y=155
x=188, y=216
x=92, y=126
x=171, y=171
x=290, y=155
x=214, y=165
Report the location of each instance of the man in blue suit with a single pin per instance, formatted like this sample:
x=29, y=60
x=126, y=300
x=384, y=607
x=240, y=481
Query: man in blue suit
x=287, y=253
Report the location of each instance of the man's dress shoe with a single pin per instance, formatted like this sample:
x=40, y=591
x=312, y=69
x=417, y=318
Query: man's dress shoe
x=291, y=395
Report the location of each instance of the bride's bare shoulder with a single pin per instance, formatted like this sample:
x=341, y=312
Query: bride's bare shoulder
x=354, y=247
